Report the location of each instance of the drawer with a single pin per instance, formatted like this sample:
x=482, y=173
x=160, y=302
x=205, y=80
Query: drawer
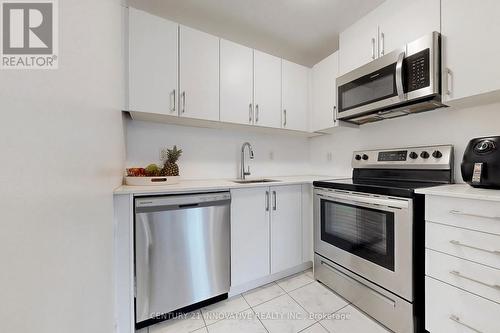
x=471, y=245
x=449, y=309
x=478, y=279
x=477, y=215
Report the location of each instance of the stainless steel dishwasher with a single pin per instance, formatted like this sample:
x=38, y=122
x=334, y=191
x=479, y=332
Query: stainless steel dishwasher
x=182, y=254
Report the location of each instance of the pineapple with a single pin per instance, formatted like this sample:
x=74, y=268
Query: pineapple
x=170, y=168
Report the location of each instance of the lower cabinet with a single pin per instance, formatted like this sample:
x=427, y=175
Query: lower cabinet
x=266, y=231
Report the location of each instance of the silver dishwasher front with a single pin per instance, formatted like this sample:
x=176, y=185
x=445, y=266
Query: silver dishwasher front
x=182, y=253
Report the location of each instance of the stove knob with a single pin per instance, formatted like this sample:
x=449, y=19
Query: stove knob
x=365, y=157
x=437, y=154
x=357, y=157
x=424, y=154
x=413, y=155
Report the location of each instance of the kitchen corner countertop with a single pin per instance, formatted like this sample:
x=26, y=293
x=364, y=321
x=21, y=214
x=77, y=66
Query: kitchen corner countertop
x=461, y=191
x=217, y=185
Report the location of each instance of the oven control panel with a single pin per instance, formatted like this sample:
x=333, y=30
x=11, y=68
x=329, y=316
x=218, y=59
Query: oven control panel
x=418, y=70
x=428, y=157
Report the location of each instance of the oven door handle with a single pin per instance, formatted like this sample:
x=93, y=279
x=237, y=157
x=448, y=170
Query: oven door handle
x=399, y=77
x=394, y=203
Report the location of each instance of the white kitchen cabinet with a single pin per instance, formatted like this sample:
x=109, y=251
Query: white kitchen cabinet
x=153, y=62
x=286, y=227
x=267, y=90
x=249, y=234
x=467, y=28
x=199, y=75
x=236, y=83
x=295, y=94
x=324, y=94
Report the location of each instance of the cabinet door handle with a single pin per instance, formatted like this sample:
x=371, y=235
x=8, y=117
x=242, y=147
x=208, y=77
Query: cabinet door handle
x=457, y=320
x=267, y=201
x=256, y=113
x=284, y=116
x=275, y=202
x=382, y=43
x=334, y=111
x=457, y=243
x=449, y=81
x=183, y=102
x=373, y=48
x=172, y=104
x=457, y=212
x=250, y=113
x=458, y=274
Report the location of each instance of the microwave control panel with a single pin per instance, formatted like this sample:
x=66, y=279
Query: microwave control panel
x=418, y=70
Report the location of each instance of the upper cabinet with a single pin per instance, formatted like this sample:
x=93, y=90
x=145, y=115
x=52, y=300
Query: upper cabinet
x=389, y=26
x=236, y=83
x=199, y=74
x=267, y=90
x=152, y=64
x=467, y=28
x=295, y=96
x=324, y=98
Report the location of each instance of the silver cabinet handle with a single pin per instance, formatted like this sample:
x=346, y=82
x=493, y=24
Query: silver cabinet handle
x=250, y=113
x=373, y=48
x=267, y=201
x=399, y=76
x=458, y=321
x=457, y=212
x=256, y=113
x=382, y=43
x=172, y=104
x=275, y=203
x=449, y=81
x=183, y=95
x=284, y=117
x=457, y=243
x=458, y=274
x=334, y=113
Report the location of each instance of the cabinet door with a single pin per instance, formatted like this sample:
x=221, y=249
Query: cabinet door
x=405, y=21
x=286, y=227
x=295, y=96
x=236, y=83
x=469, y=27
x=199, y=75
x=324, y=93
x=152, y=63
x=267, y=90
x=249, y=234
x=358, y=44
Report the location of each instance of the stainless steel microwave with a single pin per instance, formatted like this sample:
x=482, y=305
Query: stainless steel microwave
x=405, y=81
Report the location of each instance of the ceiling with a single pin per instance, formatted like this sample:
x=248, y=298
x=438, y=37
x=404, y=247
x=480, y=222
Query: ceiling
x=303, y=31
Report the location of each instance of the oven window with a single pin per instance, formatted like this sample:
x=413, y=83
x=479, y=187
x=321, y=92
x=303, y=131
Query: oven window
x=368, y=89
x=365, y=232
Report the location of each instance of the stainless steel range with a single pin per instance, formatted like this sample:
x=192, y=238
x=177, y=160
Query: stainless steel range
x=369, y=231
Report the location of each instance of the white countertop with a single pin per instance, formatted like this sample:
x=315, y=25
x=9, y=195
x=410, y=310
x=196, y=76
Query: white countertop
x=461, y=191
x=217, y=184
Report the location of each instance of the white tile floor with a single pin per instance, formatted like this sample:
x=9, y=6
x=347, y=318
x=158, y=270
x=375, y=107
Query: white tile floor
x=294, y=304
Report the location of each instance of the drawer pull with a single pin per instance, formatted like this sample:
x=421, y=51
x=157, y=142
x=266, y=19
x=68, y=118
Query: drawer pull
x=458, y=274
x=457, y=212
x=457, y=243
x=457, y=320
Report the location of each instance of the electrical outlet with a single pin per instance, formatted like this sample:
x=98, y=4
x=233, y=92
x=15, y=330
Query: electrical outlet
x=329, y=156
x=271, y=155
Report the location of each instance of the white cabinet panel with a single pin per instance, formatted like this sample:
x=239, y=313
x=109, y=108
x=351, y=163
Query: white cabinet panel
x=286, y=227
x=324, y=93
x=267, y=90
x=307, y=223
x=249, y=235
x=152, y=63
x=469, y=27
x=404, y=21
x=295, y=96
x=199, y=75
x=236, y=83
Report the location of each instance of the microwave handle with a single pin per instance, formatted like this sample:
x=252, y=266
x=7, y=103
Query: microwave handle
x=399, y=76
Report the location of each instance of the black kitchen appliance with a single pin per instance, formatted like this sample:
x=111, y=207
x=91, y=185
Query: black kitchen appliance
x=481, y=162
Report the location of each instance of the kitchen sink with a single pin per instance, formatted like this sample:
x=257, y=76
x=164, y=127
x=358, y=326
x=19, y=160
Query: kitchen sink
x=251, y=181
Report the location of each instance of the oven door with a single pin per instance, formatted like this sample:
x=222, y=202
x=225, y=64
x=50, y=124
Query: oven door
x=367, y=234
x=376, y=85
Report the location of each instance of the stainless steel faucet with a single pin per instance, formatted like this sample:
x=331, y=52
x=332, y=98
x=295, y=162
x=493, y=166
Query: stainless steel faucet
x=244, y=173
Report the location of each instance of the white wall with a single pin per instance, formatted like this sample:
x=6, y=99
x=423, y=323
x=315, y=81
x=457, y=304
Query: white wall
x=215, y=153
x=443, y=126
x=62, y=152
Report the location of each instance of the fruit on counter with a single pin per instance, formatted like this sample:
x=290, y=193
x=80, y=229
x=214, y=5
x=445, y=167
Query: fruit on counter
x=170, y=168
x=153, y=170
x=136, y=172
